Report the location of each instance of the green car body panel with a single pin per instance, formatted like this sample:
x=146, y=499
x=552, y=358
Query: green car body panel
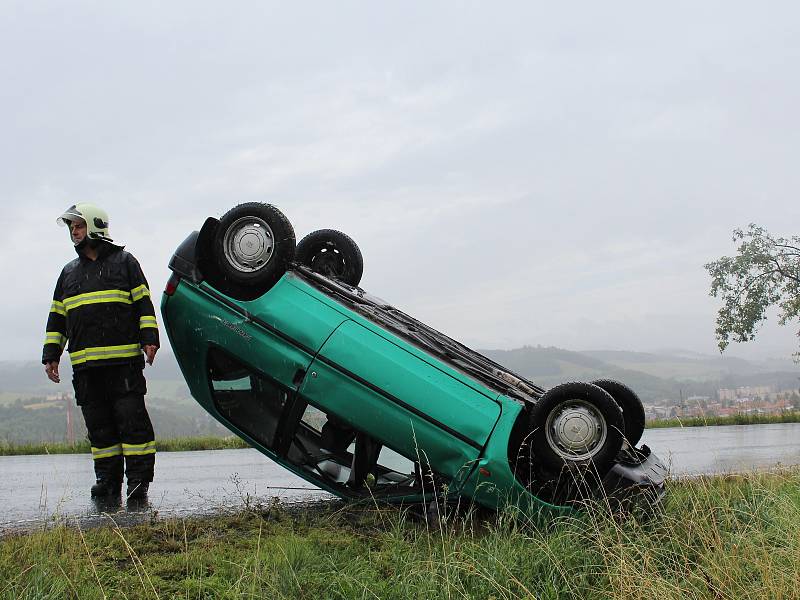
x=346, y=359
x=369, y=370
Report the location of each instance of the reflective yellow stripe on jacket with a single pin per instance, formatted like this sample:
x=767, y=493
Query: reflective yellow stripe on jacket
x=139, y=449
x=55, y=337
x=125, y=351
x=58, y=308
x=74, y=302
x=139, y=292
x=147, y=321
x=98, y=453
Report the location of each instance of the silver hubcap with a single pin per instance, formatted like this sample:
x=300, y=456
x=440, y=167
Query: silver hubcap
x=248, y=244
x=576, y=430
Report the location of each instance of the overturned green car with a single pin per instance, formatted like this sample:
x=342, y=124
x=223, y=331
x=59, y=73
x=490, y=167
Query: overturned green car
x=277, y=341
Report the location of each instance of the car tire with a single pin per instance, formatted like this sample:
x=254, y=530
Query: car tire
x=333, y=254
x=631, y=405
x=251, y=249
x=578, y=427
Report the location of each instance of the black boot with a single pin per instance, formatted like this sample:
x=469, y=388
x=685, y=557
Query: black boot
x=106, y=488
x=137, y=489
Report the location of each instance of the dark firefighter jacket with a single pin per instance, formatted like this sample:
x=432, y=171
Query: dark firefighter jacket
x=103, y=308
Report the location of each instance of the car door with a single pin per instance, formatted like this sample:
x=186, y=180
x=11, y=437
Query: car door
x=244, y=361
x=415, y=406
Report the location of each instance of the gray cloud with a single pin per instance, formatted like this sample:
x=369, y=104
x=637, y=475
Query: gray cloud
x=514, y=173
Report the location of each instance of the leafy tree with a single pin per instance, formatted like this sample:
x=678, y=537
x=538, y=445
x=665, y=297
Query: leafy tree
x=765, y=272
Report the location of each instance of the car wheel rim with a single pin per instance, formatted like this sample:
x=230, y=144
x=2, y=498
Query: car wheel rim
x=576, y=430
x=329, y=262
x=248, y=244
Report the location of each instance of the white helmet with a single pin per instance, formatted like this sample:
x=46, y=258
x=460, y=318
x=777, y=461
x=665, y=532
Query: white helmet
x=96, y=220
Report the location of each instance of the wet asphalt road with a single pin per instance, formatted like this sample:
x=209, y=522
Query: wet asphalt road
x=37, y=490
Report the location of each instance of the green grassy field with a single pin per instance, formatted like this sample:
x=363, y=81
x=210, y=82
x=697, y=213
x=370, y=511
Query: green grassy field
x=734, y=537
x=166, y=445
x=742, y=419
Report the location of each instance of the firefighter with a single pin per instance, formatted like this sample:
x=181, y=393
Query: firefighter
x=103, y=310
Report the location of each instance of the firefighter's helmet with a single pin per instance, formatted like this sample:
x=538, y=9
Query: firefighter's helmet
x=96, y=220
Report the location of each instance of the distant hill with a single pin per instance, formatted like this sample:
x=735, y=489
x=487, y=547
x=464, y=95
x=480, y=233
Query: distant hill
x=678, y=366
x=22, y=379
x=24, y=417
x=655, y=376
x=689, y=369
x=660, y=377
x=24, y=422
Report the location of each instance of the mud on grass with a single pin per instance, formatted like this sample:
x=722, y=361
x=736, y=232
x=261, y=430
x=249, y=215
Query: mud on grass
x=723, y=537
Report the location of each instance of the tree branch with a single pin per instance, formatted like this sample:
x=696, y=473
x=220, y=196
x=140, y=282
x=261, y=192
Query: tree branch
x=759, y=276
x=744, y=290
x=781, y=271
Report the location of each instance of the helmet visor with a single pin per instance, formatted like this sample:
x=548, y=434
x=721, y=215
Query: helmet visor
x=69, y=215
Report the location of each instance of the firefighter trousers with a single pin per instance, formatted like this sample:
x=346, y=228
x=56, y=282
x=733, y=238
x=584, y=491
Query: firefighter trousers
x=120, y=432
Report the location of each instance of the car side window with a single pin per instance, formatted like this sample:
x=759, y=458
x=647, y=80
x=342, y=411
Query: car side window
x=341, y=456
x=248, y=400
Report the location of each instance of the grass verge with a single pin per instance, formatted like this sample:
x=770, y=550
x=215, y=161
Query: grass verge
x=740, y=419
x=724, y=537
x=166, y=445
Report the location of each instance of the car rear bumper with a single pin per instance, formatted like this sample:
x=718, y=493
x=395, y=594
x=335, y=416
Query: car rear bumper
x=637, y=479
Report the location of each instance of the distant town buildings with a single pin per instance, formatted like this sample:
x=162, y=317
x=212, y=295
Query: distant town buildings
x=748, y=400
x=744, y=392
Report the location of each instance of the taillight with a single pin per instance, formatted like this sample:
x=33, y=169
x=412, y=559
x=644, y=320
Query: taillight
x=172, y=284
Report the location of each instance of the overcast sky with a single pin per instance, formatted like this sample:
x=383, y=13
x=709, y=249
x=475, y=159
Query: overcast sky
x=514, y=173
